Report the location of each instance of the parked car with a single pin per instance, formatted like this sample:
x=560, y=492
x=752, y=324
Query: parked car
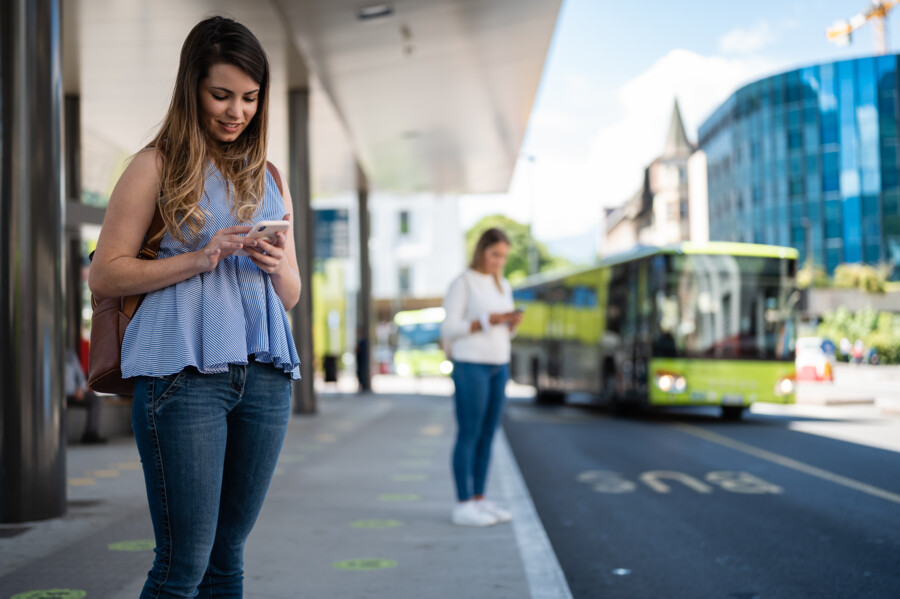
x=815, y=359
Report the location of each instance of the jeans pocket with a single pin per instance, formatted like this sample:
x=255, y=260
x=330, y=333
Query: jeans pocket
x=166, y=386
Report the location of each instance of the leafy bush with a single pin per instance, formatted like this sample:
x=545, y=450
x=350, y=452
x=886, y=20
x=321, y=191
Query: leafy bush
x=877, y=330
x=861, y=276
x=812, y=276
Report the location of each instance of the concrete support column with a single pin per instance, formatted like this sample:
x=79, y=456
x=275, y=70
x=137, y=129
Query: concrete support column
x=364, y=326
x=301, y=191
x=32, y=289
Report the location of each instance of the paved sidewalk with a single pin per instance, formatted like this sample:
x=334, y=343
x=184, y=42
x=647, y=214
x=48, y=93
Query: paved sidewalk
x=359, y=507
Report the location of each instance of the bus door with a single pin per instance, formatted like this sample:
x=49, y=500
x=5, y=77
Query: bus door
x=629, y=314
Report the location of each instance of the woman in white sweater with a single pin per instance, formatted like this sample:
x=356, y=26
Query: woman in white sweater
x=480, y=321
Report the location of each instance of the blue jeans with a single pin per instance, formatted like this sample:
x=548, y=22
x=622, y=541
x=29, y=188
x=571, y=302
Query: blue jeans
x=209, y=444
x=480, y=396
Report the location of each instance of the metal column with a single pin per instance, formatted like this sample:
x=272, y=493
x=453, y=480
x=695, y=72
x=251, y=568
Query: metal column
x=301, y=315
x=32, y=289
x=365, y=332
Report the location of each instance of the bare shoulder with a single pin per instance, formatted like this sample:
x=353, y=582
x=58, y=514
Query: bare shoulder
x=146, y=163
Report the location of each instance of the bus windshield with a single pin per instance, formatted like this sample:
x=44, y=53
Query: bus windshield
x=420, y=335
x=722, y=306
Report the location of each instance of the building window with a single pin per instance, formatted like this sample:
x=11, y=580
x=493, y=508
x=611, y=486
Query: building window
x=404, y=222
x=404, y=280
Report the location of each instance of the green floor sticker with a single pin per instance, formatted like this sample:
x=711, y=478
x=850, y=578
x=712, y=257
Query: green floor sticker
x=399, y=497
x=376, y=524
x=137, y=545
x=51, y=594
x=365, y=564
x=408, y=478
x=291, y=459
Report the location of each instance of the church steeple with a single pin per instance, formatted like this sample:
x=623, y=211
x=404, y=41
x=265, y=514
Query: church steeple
x=677, y=143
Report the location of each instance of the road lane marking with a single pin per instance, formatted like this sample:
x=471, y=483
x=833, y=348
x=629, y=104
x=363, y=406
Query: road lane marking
x=652, y=480
x=787, y=462
x=742, y=482
x=545, y=576
x=605, y=481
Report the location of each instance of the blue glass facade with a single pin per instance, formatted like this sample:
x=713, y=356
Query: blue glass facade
x=808, y=159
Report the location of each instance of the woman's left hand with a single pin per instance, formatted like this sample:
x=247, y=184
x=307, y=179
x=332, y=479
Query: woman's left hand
x=269, y=257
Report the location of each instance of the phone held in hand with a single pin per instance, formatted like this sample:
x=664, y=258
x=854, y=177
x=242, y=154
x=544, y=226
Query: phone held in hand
x=519, y=309
x=265, y=229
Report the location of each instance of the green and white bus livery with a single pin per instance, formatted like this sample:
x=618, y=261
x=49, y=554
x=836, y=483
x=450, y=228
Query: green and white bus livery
x=688, y=324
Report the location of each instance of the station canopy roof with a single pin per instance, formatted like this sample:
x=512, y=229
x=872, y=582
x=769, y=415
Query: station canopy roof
x=434, y=95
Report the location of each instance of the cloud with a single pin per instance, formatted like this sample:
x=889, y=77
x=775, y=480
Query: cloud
x=620, y=151
x=747, y=41
x=564, y=190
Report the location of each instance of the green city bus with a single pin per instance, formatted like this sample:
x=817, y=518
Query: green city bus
x=419, y=350
x=709, y=324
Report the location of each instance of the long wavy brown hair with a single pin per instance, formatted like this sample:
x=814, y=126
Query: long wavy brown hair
x=487, y=239
x=185, y=146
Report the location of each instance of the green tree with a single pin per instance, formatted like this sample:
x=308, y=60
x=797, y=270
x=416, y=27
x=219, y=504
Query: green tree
x=519, y=239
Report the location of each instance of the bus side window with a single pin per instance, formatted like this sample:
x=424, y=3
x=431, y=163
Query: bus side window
x=618, y=298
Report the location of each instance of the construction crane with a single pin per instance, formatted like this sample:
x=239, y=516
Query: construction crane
x=840, y=32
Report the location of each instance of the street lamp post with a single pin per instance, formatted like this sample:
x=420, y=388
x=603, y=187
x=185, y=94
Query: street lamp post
x=532, y=244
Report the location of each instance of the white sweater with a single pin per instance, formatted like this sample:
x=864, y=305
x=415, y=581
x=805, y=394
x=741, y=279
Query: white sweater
x=471, y=296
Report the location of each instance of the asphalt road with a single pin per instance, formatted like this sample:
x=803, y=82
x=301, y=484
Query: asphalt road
x=685, y=505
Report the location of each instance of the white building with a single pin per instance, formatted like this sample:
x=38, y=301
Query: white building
x=417, y=247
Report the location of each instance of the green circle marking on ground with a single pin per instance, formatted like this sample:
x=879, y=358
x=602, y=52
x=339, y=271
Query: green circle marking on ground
x=408, y=478
x=376, y=524
x=365, y=564
x=399, y=497
x=137, y=545
x=51, y=594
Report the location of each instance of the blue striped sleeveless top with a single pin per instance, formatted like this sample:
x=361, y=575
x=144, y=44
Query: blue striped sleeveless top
x=214, y=318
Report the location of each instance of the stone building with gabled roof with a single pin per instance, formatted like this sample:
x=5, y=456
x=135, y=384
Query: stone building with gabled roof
x=658, y=212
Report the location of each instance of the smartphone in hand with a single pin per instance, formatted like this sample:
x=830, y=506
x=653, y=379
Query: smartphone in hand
x=265, y=229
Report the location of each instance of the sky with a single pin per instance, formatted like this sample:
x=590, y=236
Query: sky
x=610, y=79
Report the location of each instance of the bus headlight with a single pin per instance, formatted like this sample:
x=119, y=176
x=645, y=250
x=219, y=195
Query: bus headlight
x=784, y=386
x=670, y=383
x=446, y=367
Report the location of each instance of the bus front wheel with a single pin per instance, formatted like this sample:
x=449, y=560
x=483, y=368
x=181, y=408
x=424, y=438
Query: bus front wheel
x=732, y=412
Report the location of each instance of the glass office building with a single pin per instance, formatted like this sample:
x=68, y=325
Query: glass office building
x=808, y=159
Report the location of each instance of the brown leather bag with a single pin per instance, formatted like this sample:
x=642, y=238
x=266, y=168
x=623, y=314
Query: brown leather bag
x=111, y=316
x=109, y=320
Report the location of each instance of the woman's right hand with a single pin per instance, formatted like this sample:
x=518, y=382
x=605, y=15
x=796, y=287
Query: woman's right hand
x=223, y=244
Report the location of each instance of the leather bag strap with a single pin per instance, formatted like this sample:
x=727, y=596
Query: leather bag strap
x=153, y=239
x=275, y=175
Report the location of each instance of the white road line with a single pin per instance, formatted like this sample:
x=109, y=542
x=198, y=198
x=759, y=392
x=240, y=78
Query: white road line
x=545, y=576
x=787, y=462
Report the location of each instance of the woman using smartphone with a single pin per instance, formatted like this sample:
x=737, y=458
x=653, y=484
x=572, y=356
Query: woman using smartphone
x=480, y=320
x=210, y=347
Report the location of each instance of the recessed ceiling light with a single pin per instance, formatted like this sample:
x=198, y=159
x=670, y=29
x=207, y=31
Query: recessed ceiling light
x=375, y=11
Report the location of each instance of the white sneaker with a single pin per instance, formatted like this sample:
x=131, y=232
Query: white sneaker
x=489, y=507
x=468, y=514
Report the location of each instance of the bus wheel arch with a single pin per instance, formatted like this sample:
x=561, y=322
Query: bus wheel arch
x=543, y=395
x=732, y=413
